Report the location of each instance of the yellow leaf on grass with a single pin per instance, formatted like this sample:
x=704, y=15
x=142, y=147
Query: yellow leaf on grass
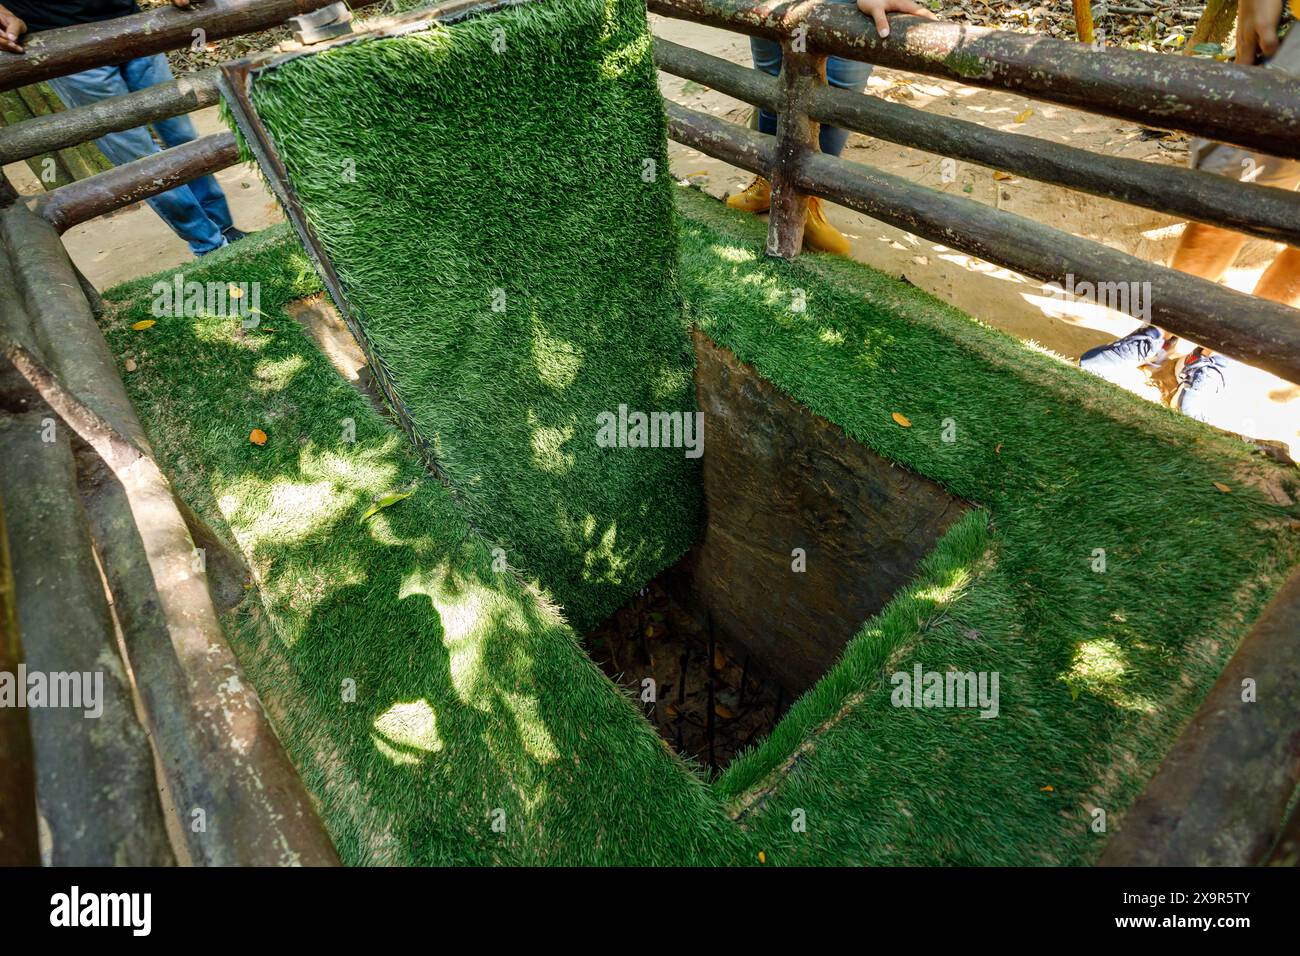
x=1047, y=789
x=257, y=436
x=144, y=324
x=998, y=450
x=901, y=419
x=389, y=499
x=762, y=857
x=1226, y=489
x=1020, y=118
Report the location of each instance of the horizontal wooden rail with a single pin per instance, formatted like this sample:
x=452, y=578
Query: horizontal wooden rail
x=1220, y=796
x=1262, y=211
x=1249, y=106
x=1262, y=333
x=52, y=53
x=44, y=134
x=77, y=202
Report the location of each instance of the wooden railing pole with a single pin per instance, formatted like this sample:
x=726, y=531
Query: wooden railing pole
x=72, y=49
x=1242, y=105
x=796, y=137
x=139, y=179
x=1264, y=211
x=84, y=123
x=1261, y=333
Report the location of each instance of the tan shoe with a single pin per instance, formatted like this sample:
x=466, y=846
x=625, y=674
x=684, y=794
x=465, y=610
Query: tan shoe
x=819, y=234
x=755, y=198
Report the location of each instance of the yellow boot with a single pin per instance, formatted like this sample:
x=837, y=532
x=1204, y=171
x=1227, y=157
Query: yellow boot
x=755, y=198
x=819, y=234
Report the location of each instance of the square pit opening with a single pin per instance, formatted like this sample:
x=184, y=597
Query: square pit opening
x=807, y=535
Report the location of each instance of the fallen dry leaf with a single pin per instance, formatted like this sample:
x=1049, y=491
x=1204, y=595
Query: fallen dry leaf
x=1047, y=789
x=762, y=857
x=1028, y=112
x=387, y=501
x=901, y=419
x=144, y=324
x=1001, y=176
x=129, y=365
x=257, y=436
x=998, y=450
x=1226, y=489
x=726, y=713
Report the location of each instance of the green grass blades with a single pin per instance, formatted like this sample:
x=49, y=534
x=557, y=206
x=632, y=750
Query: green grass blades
x=438, y=711
x=471, y=696
x=1116, y=584
x=494, y=196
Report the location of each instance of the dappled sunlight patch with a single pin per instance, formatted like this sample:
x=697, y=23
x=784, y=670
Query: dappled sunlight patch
x=601, y=560
x=296, y=509
x=274, y=375
x=557, y=362
x=548, y=446
x=671, y=384
x=621, y=60
x=406, y=732
x=736, y=254
x=946, y=591
x=531, y=726
x=223, y=332
x=1100, y=668
x=469, y=612
x=371, y=470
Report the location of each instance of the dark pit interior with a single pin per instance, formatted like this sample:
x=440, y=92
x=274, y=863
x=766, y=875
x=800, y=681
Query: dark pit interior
x=808, y=534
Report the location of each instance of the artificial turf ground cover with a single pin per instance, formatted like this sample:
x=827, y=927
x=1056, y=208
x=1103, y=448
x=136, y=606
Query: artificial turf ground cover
x=472, y=696
x=474, y=703
x=1098, y=670
x=491, y=196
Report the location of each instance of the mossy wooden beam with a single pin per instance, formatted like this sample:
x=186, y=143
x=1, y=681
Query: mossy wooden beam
x=239, y=799
x=131, y=182
x=1220, y=101
x=66, y=128
x=71, y=49
x=1272, y=214
x=1265, y=334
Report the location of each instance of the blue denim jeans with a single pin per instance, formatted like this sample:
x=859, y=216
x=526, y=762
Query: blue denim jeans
x=197, y=211
x=845, y=74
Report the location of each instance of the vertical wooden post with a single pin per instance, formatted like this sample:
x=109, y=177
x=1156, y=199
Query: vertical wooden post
x=796, y=137
x=1083, y=24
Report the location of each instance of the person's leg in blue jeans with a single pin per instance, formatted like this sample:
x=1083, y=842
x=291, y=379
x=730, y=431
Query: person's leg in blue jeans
x=844, y=74
x=756, y=198
x=147, y=71
x=180, y=208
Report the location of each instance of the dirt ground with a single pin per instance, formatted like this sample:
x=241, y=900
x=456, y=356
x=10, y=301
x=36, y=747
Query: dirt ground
x=134, y=241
